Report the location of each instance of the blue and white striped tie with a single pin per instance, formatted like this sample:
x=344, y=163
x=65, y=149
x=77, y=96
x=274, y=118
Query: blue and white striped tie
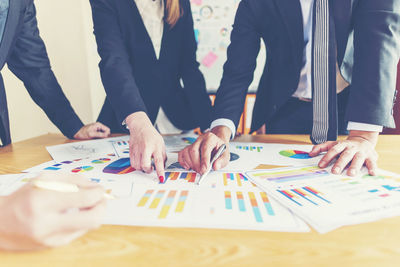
x=324, y=74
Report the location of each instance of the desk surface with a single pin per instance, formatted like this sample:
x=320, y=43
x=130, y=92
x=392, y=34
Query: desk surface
x=369, y=244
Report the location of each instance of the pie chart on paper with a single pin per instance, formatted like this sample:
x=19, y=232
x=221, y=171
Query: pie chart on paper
x=82, y=169
x=295, y=154
x=101, y=161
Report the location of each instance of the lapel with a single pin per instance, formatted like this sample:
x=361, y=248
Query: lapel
x=13, y=18
x=291, y=13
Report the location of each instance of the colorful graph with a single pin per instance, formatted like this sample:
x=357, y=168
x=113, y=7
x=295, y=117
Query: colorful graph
x=145, y=198
x=189, y=140
x=234, y=178
x=101, y=161
x=250, y=148
x=228, y=200
x=82, y=169
x=122, y=143
x=267, y=203
x=190, y=177
x=295, y=154
x=166, y=204
x=250, y=204
x=303, y=195
x=292, y=175
x=181, y=201
x=53, y=168
x=57, y=166
x=121, y=166
x=240, y=199
x=256, y=208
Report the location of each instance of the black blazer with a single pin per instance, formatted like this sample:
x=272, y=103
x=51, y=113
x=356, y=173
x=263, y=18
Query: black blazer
x=367, y=33
x=135, y=80
x=25, y=54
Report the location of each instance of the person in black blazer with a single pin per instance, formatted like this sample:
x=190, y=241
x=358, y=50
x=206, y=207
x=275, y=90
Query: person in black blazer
x=25, y=54
x=138, y=83
x=367, y=34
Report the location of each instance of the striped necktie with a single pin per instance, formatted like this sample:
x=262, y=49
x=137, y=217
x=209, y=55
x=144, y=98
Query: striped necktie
x=323, y=74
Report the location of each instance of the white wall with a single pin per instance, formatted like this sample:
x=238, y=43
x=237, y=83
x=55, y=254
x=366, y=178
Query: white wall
x=66, y=27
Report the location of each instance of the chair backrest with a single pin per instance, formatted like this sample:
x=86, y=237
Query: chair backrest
x=396, y=109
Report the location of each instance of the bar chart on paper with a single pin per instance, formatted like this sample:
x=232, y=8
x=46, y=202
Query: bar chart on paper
x=328, y=201
x=189, y=177
x=250, y=148
x=193, y=206
x=163, y=201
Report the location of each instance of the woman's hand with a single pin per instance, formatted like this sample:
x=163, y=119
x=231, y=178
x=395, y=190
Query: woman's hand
x=146, y=145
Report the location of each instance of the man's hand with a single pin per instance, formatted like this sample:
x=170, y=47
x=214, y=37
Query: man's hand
x=93, y=130
x=198, y=155
x=32, y=218
x=357, y=150
x=145, y=145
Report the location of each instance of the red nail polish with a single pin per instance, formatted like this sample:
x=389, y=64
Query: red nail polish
x=161, y=179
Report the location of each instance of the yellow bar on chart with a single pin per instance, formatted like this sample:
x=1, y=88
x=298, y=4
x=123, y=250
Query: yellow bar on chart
x=157, y=199
x=225, y=175
x=239, y=179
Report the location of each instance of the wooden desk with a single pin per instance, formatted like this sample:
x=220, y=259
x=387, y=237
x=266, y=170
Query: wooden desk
x=372, y=244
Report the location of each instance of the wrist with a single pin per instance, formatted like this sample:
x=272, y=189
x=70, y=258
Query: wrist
x=137, y=121
x=371, y=137
x=223, y=133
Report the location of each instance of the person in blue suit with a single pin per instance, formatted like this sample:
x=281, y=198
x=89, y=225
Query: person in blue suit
x=150, y=73
x=24, y=52
x=331, y=68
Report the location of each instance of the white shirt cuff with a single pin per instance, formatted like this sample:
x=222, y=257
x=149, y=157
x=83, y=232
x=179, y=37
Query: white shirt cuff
x=357, y=126
x=225, y=122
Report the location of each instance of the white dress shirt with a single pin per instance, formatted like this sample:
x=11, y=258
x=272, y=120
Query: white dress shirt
x=304, y=89
x=152, y=13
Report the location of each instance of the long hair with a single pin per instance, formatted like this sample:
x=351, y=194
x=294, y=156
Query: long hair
x=174, y=12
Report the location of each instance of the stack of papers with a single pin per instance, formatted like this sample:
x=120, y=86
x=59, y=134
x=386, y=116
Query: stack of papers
x=247, y=194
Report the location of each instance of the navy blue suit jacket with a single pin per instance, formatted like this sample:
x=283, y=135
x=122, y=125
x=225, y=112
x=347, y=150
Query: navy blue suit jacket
x=135, y=80
x=25, y=54
x=367, y=34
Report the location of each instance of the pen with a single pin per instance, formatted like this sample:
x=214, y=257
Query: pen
x=62, y=187
x=220, y=151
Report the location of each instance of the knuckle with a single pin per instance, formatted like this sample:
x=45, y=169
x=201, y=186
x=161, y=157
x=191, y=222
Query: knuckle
x=347, y=153
x=192, y=150
x=360, y=154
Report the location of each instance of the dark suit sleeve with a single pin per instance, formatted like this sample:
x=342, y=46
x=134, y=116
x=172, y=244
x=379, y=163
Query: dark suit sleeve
x=193, y=79
x=376, y=55
x=30, y=63
x=115, y=68
x=240, y=66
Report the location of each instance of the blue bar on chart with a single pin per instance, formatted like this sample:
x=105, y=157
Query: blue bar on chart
x=267, y=203
x=240, y=198
x=228, y=200
x=256, y=209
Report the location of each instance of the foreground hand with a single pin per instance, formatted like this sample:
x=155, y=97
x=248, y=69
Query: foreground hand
x=33, y=218
x=357, y=150
x=145, y=144
x=93, y=130
x=198, y=155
